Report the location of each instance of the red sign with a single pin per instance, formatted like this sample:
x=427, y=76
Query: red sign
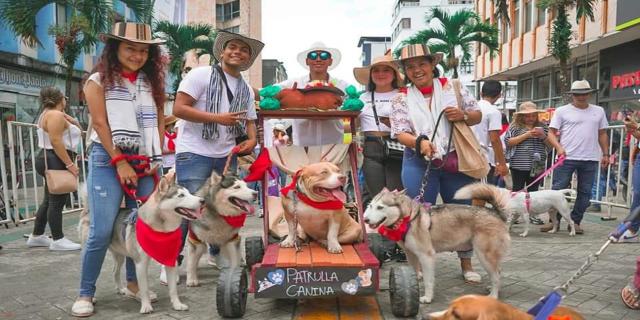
x=622, y=81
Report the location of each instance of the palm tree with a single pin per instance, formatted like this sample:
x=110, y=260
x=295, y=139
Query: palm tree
x=457, y=31
x=181, y=39
x=88, y=19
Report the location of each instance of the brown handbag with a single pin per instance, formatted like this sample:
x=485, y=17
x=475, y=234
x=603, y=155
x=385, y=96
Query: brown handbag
x=59, y=181
x=471, y=160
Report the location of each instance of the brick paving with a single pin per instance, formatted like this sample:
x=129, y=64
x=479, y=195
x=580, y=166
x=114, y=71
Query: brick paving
x=39, y=284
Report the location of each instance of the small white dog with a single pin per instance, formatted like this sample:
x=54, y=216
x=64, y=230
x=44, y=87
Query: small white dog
x=539, y=202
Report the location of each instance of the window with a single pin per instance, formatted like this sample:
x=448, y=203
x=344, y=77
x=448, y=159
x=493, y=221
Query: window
x=405, y=23
x=235, y=29
x=542, y=87
x=525, y=90
x=542, y=16
x=228, y=11
x=505, y=31
x=61, y=15
x=557, y=84
x=516, y=18
x=528, y=15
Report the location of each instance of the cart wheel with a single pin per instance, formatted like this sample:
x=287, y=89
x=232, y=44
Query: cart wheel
x=231, y=293
x=376, y=245
x=253, y=250
x=404, y=291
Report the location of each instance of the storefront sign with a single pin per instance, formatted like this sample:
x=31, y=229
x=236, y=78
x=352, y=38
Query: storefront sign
x=620, y=72
x=631, y=79
x=24, y=82
x=314, y=282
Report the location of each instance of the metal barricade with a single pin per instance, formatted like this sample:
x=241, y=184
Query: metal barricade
x=25, y=188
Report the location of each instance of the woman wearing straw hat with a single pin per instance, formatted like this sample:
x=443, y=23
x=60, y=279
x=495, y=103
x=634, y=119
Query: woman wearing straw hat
x=527, y=147
x=382, y=80
x=127, y=84
x=413, y=117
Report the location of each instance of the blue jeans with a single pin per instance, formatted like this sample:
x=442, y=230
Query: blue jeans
x=586, y=171
x=439, y=182
x=192, y=171
x=635, y=182
x=105, y=197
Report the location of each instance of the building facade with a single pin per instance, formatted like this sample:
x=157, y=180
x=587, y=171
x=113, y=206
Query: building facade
x=603, y=51
x=273, y=71
x=373, y=47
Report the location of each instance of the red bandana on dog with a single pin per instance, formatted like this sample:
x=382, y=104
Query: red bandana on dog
x=394, y=233
x=235, y=221
x=163, y=247
x=325, y=205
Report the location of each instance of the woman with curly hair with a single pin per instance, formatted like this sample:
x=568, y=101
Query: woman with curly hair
x=125, y=95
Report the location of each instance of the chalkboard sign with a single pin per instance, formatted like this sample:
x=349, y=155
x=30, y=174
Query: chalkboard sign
x=294, y=283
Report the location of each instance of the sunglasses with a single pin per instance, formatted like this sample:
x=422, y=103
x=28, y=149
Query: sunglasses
x=324, y=55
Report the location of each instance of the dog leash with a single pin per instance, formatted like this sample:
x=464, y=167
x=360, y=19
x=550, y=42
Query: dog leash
x=144, y=164
x=558, y=163
x=425, y=177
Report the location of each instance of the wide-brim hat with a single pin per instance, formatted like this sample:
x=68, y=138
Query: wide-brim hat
x=170, y=119
x=363, y=74
x=132, y=32
x=319, y=46
x=419, y=50
x=528, y=108
x=222, y=37
x=581, y=87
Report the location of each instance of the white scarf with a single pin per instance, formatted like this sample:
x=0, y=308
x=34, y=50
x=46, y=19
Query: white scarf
x=424, y=120
x=133, y=117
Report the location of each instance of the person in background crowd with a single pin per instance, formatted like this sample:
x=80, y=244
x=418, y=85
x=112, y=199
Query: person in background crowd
x=59, y=136
x=217, y=106
x=169, y=147
x=411, y=119
x=488, y=130
x=583, y=137
x=127, y=84
x=631, y=235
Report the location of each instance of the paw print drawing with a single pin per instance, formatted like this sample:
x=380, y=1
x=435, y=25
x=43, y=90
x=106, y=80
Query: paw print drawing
x=350, y=287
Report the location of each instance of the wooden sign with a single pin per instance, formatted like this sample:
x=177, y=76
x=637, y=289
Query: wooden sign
x=294, y=283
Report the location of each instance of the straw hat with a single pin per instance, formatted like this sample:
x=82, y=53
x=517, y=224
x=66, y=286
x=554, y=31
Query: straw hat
x=319, y=46
x=527, y=108
x=222, y=37
x=363, y=74
x=169, y=120
x=580, y=87
x=419, y=50
x=132, y=32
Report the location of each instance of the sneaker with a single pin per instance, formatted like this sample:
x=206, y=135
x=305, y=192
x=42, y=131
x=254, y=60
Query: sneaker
x=64, y=244
x=38, y=241
x=163, y=276
x=578, y=229
x=536, y=221
x=628, y=237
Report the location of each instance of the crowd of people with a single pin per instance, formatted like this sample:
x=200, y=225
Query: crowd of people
x=410, y=111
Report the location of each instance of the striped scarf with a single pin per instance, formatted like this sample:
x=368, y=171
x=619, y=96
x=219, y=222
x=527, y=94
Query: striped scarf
x=215, y=92
x=133, y=117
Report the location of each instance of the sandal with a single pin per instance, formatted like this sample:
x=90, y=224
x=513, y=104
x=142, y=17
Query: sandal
x=472, y=277
x=630, y=297
x=127, y=293
x=82, y=309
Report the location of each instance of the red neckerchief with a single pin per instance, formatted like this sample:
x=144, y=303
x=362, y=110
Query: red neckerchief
x=163, y=247
x=235, y=221
x=130, y=76
x=395, y=232
x=324, y=205
x=427, y=90
x=171, y=136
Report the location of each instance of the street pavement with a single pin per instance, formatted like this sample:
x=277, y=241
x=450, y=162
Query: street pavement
x=38, y=284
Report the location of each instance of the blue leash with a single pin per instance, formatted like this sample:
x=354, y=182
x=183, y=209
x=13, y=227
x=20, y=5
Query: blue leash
x=543, y=309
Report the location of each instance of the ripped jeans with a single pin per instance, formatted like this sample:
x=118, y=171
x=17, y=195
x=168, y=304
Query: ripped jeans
x=105, y=197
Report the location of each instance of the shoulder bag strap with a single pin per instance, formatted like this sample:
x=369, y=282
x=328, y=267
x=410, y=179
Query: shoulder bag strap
x=226, y=84
x=375, y=112
x=456, y=89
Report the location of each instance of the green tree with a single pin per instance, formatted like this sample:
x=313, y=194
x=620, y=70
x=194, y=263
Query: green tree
x=181, y=39
x=87, y=20
x=455, y=33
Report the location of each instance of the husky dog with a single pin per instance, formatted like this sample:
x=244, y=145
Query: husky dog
x=227, y=201
x=449, y=227
x=163, y=212
x=539, y=202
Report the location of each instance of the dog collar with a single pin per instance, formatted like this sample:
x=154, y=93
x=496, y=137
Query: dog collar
x=396, y=233
x=163, y=247
x=235, y=221
x=324, y=205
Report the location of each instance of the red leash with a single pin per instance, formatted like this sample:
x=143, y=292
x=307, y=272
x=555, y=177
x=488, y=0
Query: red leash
x=144, y=164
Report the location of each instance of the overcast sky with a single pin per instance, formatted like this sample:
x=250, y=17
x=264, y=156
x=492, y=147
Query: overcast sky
x=291, y=26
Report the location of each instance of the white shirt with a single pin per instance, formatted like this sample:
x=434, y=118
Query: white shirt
x=579, y=131
x=491, y=121
x=190, y=135
x=71, y=137
x=315, y=132
x=383, y=109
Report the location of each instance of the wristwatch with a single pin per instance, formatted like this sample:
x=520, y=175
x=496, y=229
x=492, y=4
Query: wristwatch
x=465, y=117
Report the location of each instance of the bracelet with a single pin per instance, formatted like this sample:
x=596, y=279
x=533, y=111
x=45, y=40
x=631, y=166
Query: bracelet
x=117, y=159
x=606, y=155
x=70, y=165
x=418, y=143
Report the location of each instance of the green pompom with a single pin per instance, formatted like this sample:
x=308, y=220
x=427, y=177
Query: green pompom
x=269, y=104
x=270, y=91
x=353, y=102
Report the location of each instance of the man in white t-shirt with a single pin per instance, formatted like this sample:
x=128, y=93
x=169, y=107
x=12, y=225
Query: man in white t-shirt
x=217, y=106
x=584, y=140
x=320, y=60
x=488, y=130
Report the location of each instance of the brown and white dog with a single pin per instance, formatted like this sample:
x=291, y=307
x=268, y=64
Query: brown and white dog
x=473, y=307
x=316, y=199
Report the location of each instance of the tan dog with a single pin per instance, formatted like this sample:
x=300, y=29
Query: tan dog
x=472, y=307
x=317, y=185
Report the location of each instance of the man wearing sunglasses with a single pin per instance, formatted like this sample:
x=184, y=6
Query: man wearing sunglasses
x=319, y=59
